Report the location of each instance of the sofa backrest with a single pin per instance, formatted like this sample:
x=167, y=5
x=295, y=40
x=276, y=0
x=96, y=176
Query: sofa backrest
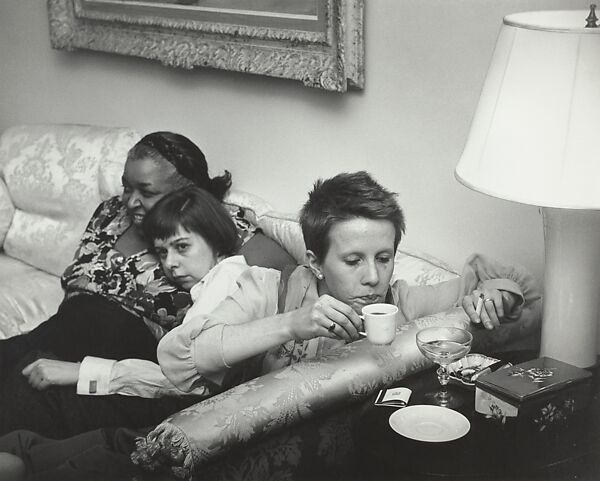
x=282, y=227
x=52, y=177
x=410, y=265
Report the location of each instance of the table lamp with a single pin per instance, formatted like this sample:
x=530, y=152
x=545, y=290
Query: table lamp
x=534, y=140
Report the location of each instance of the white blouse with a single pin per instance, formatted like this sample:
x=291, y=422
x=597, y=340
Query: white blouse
x=137, y=377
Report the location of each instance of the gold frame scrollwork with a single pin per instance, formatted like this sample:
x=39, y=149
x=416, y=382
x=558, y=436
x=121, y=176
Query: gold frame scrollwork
x=325, y=52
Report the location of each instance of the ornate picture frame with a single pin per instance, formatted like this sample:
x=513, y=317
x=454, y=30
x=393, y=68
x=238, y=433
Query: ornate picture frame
x=318, y=42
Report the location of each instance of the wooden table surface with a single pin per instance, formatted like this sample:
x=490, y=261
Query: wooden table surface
x=488, y=451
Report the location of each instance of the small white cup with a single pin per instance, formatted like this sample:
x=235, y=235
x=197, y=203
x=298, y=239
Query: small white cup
x=380, y=322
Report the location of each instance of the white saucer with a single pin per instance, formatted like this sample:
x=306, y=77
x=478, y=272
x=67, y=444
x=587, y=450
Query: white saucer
x=429, y=423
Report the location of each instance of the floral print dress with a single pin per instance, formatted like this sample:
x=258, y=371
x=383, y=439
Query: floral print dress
x=136, y=282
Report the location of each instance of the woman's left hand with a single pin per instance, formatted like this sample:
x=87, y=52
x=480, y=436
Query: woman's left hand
x=493, y=306
x=51, y=372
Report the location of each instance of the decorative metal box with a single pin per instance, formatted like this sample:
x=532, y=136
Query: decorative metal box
x=536, y=396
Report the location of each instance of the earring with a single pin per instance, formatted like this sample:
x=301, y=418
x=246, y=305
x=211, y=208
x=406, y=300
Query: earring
x=319, y=276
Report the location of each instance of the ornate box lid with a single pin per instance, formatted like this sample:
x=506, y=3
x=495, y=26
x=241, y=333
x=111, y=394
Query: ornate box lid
x=532, y=378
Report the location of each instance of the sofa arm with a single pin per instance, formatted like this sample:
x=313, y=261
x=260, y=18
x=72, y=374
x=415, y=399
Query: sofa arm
x=187, y=440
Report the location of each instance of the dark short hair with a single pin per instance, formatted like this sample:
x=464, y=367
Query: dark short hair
x=343, y=197
x=187, y=158
x=196, y=211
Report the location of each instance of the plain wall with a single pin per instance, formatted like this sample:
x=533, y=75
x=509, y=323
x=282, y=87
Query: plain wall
x=426, y=61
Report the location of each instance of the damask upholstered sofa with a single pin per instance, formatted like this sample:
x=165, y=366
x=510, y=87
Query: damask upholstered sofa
x=51, y=180
x=294, y=423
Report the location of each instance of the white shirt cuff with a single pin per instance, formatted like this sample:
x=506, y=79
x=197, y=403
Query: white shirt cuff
x=218, y=376
x=94, y=376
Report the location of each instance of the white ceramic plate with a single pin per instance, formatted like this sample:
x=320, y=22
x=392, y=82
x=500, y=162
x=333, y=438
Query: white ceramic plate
x=433, y=424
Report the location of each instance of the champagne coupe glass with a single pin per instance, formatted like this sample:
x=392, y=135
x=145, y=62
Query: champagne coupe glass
x=444, y=345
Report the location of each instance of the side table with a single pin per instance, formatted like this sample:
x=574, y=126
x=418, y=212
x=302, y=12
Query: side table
x=487, y=452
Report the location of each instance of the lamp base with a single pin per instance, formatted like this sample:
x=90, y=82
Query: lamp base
x=571, y=285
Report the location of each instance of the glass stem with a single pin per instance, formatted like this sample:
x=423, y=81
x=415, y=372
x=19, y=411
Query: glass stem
x=443, y=378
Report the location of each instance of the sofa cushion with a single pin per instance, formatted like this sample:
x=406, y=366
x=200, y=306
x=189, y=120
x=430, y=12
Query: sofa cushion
x=281, y=227
x=7, y=209
x=27, y=296
x=56, y=176
x=420, y=269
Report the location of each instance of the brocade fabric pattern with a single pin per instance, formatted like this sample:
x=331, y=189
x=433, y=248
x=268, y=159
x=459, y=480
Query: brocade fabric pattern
x=52, y=178
x=56, y=176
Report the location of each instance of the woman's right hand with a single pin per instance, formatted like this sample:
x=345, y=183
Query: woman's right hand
x=327, y=317
x=493, y=304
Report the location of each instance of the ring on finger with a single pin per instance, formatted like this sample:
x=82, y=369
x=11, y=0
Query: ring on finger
x=332, y=327
x=489, y=299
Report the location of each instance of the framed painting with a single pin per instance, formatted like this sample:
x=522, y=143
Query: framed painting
x=318, y=42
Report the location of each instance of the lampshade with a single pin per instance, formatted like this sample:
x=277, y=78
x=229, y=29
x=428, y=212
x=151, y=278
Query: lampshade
x=534, y=136
x=534, y=140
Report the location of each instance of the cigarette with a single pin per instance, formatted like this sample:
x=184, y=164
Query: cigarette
x=479, y=304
